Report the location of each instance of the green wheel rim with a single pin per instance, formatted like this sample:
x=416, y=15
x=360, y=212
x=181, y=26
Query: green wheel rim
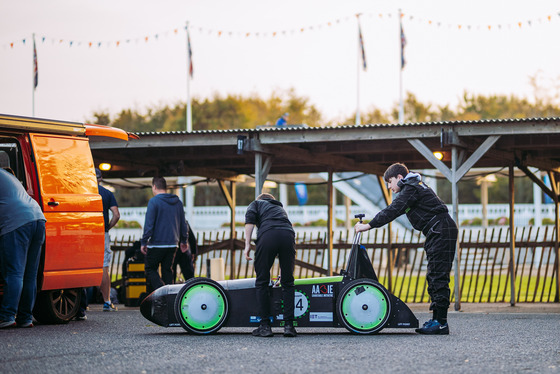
x=364, y=307
x=203, y=307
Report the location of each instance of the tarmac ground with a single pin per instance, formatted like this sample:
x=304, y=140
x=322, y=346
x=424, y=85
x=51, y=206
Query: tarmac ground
x=483, y=338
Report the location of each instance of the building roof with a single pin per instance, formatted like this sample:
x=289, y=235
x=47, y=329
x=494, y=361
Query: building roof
x=366, y=148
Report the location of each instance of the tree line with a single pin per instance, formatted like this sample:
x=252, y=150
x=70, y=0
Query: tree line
x=238, y=111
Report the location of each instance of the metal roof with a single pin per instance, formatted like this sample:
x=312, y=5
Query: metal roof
x=366, y=148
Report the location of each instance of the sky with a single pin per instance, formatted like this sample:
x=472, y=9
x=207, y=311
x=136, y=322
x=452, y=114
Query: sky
x=111, y=55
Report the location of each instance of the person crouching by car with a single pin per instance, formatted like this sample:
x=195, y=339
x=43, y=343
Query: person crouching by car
x=275, y=236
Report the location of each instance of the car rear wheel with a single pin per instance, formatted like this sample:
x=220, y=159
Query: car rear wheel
x=201, y=306
x=57, y=306
x=363, y=306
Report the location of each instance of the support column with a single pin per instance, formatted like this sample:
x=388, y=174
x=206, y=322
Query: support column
x=556, y=190
x=484, y=201
x=390, y=250
x=347, y=210
x=537, y=199
x=283, y=194
x=512, y=234
x=230, y=196
x=262, y=167
x=455, y=201
x=330, y=221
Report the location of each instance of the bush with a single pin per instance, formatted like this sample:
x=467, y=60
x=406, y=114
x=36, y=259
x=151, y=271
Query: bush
x=128, y=225
x=547, y=221
x=226, y=224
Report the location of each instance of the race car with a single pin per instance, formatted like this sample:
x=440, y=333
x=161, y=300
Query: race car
x=354, y=299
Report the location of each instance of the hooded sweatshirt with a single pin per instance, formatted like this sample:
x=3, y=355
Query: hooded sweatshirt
x=417, y=200
x=165, y=224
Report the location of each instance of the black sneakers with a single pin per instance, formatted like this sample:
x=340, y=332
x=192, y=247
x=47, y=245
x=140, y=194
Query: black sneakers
x=433, y=327
x=290, y=331
x=263, y=331
x=266, y=332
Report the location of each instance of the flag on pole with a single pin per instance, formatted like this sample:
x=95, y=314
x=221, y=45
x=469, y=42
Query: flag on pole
x=362, y=45
x=35, y=66
x=191, y=70
x=403, y=44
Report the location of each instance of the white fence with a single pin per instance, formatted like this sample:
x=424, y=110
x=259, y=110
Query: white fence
x=214, y=217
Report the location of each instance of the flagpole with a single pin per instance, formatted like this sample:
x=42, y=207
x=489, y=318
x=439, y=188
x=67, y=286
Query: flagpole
x=358, y=59
x=33, y=80
x=189, y=62
x=401, y=103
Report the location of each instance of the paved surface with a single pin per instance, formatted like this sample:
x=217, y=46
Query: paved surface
x=484, y=338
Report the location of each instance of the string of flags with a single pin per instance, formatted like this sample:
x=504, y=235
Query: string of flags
x=521, y=24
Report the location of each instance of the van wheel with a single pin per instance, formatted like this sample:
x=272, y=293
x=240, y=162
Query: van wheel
x=57, y=306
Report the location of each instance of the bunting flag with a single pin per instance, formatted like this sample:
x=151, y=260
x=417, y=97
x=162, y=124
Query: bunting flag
x=513, y=24
x=189, y=52
x=403, y=44
x=35, y=67
x=362, y=45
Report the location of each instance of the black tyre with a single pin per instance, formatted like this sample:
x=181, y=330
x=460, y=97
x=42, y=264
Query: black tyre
x=57, y=306
x=201, y=306
x=363, y=306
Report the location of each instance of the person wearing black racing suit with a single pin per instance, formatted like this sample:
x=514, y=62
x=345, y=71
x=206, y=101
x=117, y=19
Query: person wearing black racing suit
x=429, y=214
x=275, y=236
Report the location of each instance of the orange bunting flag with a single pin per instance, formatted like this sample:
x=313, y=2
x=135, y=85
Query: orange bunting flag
x=118, y=42
x=146, y=38
x=459, y=26
x=519, y=24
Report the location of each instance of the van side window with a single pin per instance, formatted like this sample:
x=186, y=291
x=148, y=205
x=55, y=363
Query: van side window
x=65, y=165
x=11, y=158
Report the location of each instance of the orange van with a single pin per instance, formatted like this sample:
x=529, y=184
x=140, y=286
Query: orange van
x=53, y=161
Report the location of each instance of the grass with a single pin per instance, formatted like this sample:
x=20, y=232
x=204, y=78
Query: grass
x=478, y=289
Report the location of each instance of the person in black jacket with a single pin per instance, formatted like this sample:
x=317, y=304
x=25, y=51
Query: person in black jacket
x=186, y=259
x=275, y=236
x=429, y=214
x=165, y=227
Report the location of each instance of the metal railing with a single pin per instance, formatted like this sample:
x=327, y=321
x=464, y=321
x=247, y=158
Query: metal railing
x=401, y=265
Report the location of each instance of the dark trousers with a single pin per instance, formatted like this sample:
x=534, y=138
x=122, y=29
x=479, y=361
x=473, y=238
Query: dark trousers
x=440, y=246
x=184, y=260
x=270, y=244
x=20, y=253
x=155, y=257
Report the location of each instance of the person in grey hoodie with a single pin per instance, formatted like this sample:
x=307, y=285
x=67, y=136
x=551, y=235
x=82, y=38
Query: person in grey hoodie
x=165, y=227
x=429, y=214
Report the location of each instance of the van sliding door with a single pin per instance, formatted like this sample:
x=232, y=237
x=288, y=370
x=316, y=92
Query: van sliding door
x=72, y=205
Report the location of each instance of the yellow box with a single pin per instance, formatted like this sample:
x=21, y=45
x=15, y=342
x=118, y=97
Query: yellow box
x=135, y=266
x=134, y=291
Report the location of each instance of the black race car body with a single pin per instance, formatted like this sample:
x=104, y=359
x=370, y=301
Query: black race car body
x=354, y=300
